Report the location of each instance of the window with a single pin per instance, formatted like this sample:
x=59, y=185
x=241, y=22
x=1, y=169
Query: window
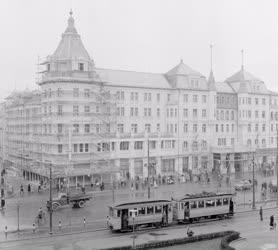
x=158, y=209
x=204, y=113
x=75, y=110
x=256, y=101
x=158, y=97
x=87, y=128
x=87, y=109
x=86, y=147
x=150, y=210
x=120, y=128
x=193, y=204
x=75, y=148
x=210, y=203
x=256, y=127
x=60, y=128
x=131, y=96
x=60, y=148
x=149, y=112
x=201, y=204
x=136, y=111
x=204, y=99
x=249, y=127
x=75, y=92
x=227, y=128
x=86, y=93
x=216, y=128
x=134, y=128
x=249, y=100
x=81, y=66
x=194, y=113
x=185, y=112
x=219, y=202
x=145, y=111
x=136, y=96
x=75, y=128
x=124, y=145
x=81, y=148
x=60, y=109
x=195, y=98
x=122, y=95
x=222, y=127
x=232, y=115
x=138, y=145
x=168, y=97
x=185, y=98
x=204, y=128
x=158, y=127
x=148, y=128
x=149, y=97
x=158, y=112
x=263, y=114
x=225, y=201
x=263, y=127
x=131, y=111
x=263, y=101
x=185, y=128
x=195, y=128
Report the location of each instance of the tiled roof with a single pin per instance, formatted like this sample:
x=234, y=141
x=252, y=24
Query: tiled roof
x=242, y=75
x=182, y=69
x=224, y=87
x=132, y=78
x=71, y=46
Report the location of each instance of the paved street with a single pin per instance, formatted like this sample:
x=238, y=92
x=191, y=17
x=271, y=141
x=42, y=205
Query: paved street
x=247, y=223
x=95, y=211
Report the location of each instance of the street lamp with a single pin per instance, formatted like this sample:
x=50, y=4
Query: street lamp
x=253, y=182
x=50, y=197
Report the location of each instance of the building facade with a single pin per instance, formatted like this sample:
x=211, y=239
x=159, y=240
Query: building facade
x=93, y=122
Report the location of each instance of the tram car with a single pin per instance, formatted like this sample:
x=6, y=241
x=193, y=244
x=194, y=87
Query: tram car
x=193, y=207
x=155, y=212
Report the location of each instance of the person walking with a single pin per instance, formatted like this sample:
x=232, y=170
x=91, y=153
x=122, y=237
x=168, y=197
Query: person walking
x=21, y=189
x=261, y=213
x=271, y=222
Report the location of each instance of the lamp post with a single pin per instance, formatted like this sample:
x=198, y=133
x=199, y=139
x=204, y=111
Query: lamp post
x=277, y=170
x=149, y=188
x=253, y=182
x=50, y=198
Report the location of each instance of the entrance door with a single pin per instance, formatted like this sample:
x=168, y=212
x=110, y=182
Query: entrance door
x=124, y=219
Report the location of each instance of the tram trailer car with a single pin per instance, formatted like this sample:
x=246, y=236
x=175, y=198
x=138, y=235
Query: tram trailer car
x=194, y=207
x=147, y=213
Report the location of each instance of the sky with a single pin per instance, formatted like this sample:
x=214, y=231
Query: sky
x=142, y=35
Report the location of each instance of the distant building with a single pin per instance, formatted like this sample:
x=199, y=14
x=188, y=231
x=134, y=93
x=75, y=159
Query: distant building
x=93, y=122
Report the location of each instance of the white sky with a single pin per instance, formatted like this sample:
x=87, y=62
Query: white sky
x=142, y=35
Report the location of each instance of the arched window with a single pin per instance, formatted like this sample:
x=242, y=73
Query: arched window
x=222, y=115
x=227, y=115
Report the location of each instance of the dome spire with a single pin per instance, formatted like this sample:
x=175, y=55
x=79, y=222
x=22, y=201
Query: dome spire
x=71, y=28
x=211, y=80
x=242, y=57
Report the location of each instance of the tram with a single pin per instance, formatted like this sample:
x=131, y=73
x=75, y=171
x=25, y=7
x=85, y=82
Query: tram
x=148, y=213
x=193, y=207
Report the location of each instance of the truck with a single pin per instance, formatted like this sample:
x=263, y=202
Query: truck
x=77, y=200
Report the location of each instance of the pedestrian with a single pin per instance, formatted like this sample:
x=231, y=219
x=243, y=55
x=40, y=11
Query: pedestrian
x=29, y=188
x=34, y=228
x=6, y=232
x=271, y=222
x=21, y=189
x=261, y=213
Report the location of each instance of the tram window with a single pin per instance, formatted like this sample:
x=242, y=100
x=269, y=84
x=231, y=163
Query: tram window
x=219, y=202
x=169, y=208
x=225, y=201
x=193, y=204
x=158, y=209
x=186, y=205
x=201, y=204
x=149, y=210
x=210, y=203
x=118, y=213
x=182, y=206
x=141, y=211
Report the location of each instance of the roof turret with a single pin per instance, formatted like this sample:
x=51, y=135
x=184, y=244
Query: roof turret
x=71, y=46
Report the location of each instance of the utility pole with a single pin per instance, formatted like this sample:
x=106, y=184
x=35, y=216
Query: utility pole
x=253, y=182
x=149, y=188
x=277, y=170
x=50, y=198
